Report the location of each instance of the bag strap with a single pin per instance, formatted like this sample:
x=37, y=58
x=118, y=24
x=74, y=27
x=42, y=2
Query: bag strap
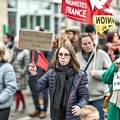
x=88, y=63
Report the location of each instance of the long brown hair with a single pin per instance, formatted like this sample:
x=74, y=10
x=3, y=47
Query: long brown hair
x=74, y=61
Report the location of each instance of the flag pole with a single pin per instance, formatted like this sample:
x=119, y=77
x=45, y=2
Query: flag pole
x=33, y=52
x=59, y=28
x=95, y=52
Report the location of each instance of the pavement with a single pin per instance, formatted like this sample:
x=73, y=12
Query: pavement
x=29, y=109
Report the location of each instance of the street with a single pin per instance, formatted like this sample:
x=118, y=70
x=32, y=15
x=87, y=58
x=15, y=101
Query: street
x=29, y=108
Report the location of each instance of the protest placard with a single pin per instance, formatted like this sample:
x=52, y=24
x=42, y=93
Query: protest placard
x=35, y=40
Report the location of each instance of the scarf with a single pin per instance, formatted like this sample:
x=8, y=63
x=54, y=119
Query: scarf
x=115, y=98
x=112, y=47
x=86, y=56
x=61, y=90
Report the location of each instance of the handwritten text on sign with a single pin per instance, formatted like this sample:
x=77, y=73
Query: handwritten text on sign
x=35, y=40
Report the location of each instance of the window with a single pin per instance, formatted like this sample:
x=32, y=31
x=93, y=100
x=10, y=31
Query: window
x=38, y=20
x=12, y=22
x=47, y=23
x=56, y=8
x=12, y=3
x=56, y=24
x=24, y=22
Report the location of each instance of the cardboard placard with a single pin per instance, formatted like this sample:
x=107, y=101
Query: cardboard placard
x=35, y=40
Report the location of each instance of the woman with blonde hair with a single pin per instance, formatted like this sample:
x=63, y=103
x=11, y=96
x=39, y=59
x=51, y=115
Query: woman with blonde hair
x=67, y=84
x=7, y=83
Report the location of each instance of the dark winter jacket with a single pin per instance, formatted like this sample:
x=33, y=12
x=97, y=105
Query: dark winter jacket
x=79, y=92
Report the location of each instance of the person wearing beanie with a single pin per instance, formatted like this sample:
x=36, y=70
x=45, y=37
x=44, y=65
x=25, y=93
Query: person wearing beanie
x=90, y=29
x=73, y=34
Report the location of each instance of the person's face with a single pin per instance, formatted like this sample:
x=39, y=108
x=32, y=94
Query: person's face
x=5, y=39
x=115, y=37
x=16, y=41
x=102, y=36
x=70, y=35
x=93, y=116
x=87, y=44
x=63, y=56
x=73, y=37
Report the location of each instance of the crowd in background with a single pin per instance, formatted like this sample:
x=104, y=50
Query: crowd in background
x=95, y=53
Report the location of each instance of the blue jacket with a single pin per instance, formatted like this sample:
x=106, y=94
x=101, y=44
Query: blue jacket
x=7, y=85
x=79, y=92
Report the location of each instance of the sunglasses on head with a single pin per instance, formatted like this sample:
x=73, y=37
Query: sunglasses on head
x=84, y=35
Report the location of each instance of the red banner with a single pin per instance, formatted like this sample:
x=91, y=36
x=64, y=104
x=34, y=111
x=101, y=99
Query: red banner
x=79, y=10
x=102, y=7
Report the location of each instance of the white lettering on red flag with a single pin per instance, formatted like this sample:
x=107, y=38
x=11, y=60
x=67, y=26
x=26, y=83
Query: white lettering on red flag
x=79, y=10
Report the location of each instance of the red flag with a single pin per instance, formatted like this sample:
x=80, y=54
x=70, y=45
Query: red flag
x=79, y=10
x=102, y=7
x=42, y=61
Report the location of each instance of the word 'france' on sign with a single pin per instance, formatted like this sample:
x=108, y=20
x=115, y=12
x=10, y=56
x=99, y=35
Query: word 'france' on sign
x=79, y=10
x=35, y=40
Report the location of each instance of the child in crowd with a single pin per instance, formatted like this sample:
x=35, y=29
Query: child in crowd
x=89, y=112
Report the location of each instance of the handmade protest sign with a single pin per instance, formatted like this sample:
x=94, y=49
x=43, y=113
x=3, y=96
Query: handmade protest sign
x=35, y=40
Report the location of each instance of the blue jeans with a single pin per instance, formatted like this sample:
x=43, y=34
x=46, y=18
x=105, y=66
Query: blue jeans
x=36, y=100
x=98, y=104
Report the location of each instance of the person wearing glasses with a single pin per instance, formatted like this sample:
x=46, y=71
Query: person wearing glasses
x=67, y=84
x=94, y=61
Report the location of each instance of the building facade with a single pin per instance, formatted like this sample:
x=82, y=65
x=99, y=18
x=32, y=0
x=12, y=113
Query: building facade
x=26, y=14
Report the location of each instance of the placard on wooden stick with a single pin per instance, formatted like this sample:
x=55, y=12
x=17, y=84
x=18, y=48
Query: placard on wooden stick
x=35, y=40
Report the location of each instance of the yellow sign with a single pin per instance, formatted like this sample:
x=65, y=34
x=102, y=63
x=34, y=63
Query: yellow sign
x=103, y=22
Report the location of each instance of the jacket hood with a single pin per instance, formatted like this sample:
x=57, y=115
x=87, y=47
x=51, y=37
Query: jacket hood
x=2, y=62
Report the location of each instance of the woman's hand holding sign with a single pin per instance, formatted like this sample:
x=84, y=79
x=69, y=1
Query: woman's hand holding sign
x=32, y=69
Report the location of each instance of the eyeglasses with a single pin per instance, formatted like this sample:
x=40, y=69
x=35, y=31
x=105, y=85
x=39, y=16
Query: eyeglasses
x=84, y=35
x=66, y=55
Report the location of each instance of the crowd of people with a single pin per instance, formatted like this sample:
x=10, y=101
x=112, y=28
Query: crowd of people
x=81, y=71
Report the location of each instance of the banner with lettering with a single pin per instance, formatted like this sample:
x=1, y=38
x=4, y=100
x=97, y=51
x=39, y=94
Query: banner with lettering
x=79, y=10
x=102, y=15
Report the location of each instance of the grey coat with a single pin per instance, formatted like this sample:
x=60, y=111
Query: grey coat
x=20, y=61
x=97, y=89
x=7, y=85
